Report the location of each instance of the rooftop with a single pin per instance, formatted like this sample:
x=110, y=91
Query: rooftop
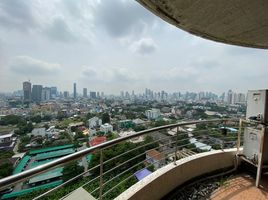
x=155, y=154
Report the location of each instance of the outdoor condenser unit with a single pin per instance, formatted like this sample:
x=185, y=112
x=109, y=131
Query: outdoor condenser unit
x=257, y=106
x=257, y=111
x=252, y=145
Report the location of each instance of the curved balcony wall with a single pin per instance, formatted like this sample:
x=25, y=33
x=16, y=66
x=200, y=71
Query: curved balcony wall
x=166, y=179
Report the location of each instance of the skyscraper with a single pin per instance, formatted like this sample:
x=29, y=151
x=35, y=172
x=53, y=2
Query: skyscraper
x=46, y=94
x=27, y=90
x=54, y=92
x=93, y=95
x=85, y=92
x=66, y=94
x=74, y=90
x=37, y=93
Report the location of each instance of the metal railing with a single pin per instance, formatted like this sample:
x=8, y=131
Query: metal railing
x=101, y=184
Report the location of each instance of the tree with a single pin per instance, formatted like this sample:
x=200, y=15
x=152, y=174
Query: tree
x=10, y=119
x=6, y=169
x=105, y=118
x=36, y=118
x=46, y=126
x=24, y=128
x=47, y=117
x=71, y=170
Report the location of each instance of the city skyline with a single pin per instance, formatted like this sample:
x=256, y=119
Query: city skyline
x=38, y=93
x=128, y=48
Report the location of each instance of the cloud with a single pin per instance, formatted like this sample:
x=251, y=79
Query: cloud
x=16, y=14
x=108, y=75
x=122, y=18
x=25, y=65
x=205, y=63
x=60, y=31
x=175, y=74
x=143, y=46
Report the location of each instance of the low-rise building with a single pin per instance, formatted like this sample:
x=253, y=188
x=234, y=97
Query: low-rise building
x=155, y=158
x=106, y=128
x=93, y=122
x=153, y=113
x=7, y=141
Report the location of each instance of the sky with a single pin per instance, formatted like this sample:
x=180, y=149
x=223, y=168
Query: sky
x=116, y=45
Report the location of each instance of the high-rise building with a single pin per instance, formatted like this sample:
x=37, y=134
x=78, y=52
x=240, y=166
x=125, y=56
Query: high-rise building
x=54, y=92
x=93, y=95
x=66, y=94
x=46, y=94
x=122, y=94
x=230, y=97
x=241, y=98
x=75, y=95
x=85, y=92
x=37, y=93
x=27, y=90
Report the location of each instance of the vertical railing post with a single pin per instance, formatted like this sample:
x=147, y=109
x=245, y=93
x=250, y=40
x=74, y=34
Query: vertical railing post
x=176, y=147
x=224, y=134
x=239, y=135
x=260, y=156
x=101, y=173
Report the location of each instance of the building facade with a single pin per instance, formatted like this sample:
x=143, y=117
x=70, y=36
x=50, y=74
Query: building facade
x=27, y=91
x=37, y=93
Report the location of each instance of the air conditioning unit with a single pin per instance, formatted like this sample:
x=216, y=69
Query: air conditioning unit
x=252, y=145
x=257, y=106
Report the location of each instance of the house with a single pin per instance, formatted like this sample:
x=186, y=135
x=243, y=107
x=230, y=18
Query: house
x=106, y=128
x=6, y=138
x=154, y=157
x=7, y=141
x=93, y=122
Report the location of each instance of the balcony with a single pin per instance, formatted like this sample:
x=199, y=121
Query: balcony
x=163, y=159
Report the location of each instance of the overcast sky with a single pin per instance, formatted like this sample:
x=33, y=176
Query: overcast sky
x=115, y=45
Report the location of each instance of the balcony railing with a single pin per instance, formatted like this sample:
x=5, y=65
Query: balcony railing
x=115, y=162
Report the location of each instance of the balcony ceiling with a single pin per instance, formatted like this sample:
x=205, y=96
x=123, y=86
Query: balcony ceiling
x=239, y=22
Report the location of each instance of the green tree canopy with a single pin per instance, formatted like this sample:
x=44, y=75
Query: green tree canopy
x=106, y=118
x=71, y=170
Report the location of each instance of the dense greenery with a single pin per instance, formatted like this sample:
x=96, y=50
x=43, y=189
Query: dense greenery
x=23, y=141
x=24, y=127
x=6, y=169
x=6, y=154
x=71, y=170
x=106, y=118
x=10, y=120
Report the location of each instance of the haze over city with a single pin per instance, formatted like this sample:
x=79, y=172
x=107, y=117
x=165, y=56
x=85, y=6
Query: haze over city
x=110, y=45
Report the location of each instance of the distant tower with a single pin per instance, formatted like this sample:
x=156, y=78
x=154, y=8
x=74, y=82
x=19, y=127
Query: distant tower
x=85, y=92
x=74, y=90
x=230, y=96
x=54, y=92
x=46, y=94
x=27, y=91
x=37, y=93
x=66, y=94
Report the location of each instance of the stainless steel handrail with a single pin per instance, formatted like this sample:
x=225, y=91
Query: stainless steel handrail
x=11, y=180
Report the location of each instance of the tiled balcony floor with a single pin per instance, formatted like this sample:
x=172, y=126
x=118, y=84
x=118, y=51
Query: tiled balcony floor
x=242, y=187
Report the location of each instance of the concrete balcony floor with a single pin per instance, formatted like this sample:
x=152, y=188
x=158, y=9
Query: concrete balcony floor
x=242, y=187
